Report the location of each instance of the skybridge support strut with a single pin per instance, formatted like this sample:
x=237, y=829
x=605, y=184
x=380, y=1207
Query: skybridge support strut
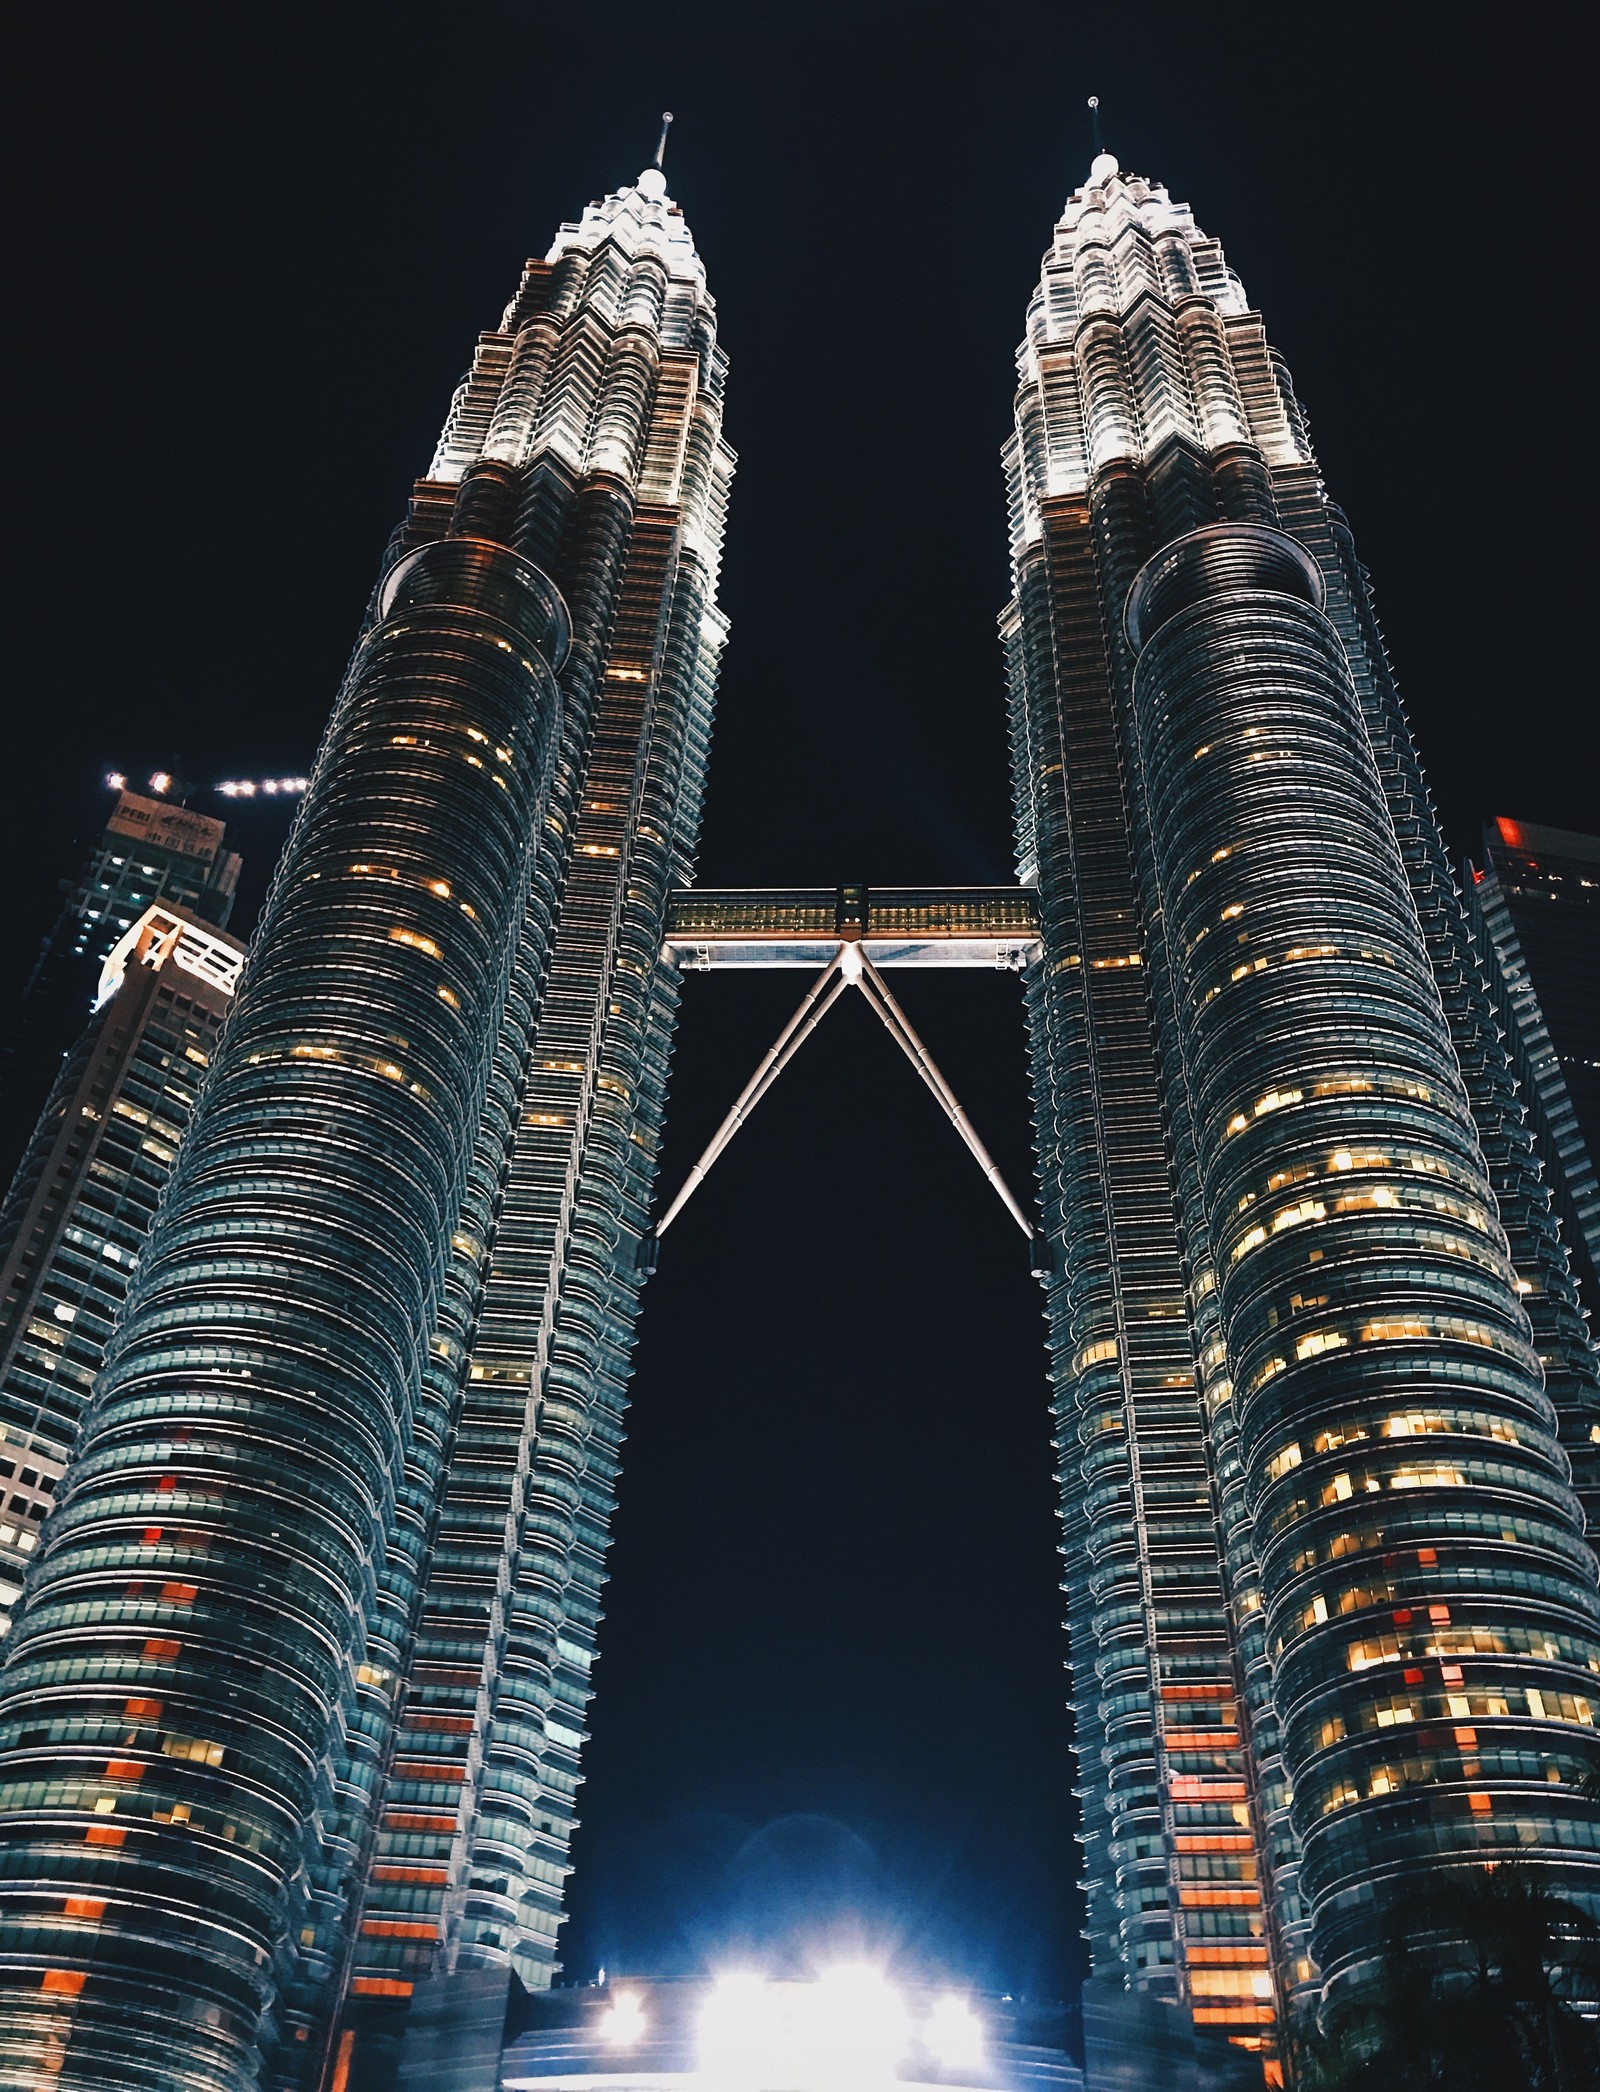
x=876, y=989
x=848, y=968
x=819, y=999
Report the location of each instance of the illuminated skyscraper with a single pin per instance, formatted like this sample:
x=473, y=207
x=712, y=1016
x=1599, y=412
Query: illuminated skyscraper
x=151, y=849
x=75, y=1218
x=401, y=1234
x=1315, y=1346
x=593, y=414
x=1535, y=904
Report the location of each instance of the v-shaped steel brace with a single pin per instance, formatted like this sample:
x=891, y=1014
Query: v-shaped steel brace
x=849, y=968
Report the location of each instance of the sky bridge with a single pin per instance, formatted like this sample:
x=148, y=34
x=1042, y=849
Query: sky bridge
x=892, y=925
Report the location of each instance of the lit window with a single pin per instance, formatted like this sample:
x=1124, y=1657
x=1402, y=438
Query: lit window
x=196, y=1749
x=1320, y=1340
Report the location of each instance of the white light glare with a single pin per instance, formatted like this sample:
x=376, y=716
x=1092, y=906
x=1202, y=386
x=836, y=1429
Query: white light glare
x=954, y=2034
x=845, y=2033
x=863, y=2027
x=624, y=2024
x=739, y=2030
x=161, y=781
x=116, y=780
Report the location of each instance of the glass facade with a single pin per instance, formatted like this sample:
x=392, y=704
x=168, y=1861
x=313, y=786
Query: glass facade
x=178, y=1675
x=590, y=427
x=1297, y=1218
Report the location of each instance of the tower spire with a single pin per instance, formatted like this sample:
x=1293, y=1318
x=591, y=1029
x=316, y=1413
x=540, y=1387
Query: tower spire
x=660, y=159
x=1104, y=165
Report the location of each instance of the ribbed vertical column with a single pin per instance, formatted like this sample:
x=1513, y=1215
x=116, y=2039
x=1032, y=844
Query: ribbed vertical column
x=188, y=1645
x=1211, y=379
x=1429, y=1600
x=512, y=425
x=1169, y=1869
x=1561, y=1336
x=1109, y=419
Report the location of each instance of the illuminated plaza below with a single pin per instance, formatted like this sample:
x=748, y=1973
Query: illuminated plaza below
x=849, y=2030
x=849, y=2027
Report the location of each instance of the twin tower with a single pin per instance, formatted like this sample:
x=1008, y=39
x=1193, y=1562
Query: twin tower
x=292, y=1714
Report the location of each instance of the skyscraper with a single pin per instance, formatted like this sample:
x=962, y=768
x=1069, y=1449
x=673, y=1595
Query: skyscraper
x=151, y=849
x=597, y=405
x=75, y=1218
x=402, y=1233
x=1535, y=907
x=1323, y=1392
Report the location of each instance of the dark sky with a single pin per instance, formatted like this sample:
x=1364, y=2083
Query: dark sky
x=256, y=243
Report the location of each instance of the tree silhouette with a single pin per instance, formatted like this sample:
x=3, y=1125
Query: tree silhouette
x=1478, y=1991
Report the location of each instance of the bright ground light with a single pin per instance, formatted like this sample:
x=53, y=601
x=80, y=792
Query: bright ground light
x=848, y=2032
x=954, y=2034
x=624, y=2023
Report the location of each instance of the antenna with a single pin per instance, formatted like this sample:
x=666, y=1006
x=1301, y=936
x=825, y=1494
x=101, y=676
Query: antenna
x=1094, y=118
x=660, y=159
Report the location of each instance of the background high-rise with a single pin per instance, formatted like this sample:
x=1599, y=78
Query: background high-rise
x=74, y=1221
x=151, y=849
x=1535, y=909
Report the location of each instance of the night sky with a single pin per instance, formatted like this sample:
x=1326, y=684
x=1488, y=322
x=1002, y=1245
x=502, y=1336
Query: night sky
x=256, y=244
